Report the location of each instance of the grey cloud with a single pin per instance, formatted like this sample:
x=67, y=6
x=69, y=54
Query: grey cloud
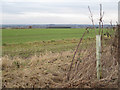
x=42, y=7
x=16, y=8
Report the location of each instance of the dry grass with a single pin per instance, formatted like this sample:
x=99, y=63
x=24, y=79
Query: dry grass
x=42, y=71
x=49, y=71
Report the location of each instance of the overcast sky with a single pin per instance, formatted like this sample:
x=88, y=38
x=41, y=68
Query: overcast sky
x=56, y=11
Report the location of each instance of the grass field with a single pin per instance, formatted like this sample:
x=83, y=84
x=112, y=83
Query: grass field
x=32, y=35
x=27, y=42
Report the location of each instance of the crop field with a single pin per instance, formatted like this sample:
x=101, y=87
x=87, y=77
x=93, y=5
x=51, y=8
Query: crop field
x=32, y=35
x=26, y=42
x=41, y=58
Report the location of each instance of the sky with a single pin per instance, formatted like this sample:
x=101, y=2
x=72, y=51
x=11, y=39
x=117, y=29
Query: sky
x=56, y=11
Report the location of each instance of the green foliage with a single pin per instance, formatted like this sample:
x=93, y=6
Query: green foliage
x=52, y=40
x=4, y=44
x=17, y=64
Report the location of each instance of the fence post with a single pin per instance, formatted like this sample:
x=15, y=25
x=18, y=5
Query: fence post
x=98, y=55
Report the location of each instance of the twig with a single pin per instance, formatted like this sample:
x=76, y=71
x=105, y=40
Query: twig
x=91, y=18
x=111, y=25
x=100, y=21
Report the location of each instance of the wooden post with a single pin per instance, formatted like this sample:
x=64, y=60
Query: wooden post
x=98, y=55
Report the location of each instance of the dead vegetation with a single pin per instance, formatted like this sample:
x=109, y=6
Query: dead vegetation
x=50, y=70
x=42, y=71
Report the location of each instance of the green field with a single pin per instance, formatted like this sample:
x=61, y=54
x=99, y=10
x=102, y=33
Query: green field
x=27, y=42
x=33, y=35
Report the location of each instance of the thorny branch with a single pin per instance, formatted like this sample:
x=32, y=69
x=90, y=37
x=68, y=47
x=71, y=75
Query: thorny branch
x=68, y=75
